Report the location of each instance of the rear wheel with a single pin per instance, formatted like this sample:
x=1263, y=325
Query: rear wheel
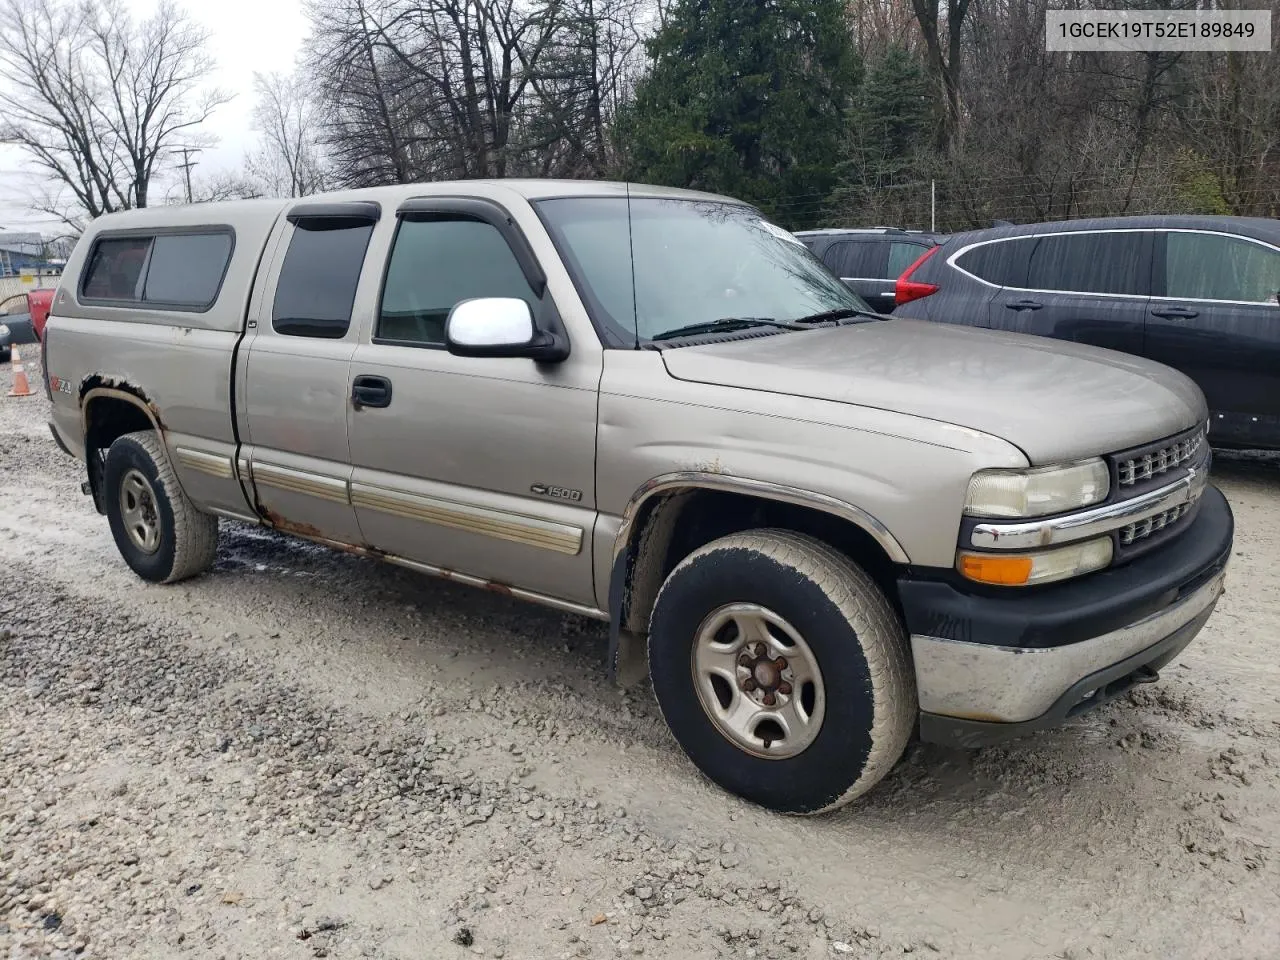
x=782, y=670
x=159, y=532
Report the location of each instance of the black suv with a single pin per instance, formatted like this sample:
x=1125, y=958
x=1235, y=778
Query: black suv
x=869, y=260
x=1201, y=294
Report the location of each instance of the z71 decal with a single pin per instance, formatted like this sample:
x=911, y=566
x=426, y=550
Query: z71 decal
x=58, y=385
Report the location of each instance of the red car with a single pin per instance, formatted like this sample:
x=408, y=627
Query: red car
x=38, y=303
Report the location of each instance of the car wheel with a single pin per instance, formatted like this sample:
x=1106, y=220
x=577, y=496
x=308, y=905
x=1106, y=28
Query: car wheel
x=782, y=670
x=159, y=532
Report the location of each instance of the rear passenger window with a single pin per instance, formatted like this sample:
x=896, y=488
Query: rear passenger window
x=164, y=270
x=187, y=269
x=1002, y=263
x=435, y=264
x=1207, y=266
x=901, y=256
x=115, y=269
x=855, y=258
x=1090, y=263
x=317, y=285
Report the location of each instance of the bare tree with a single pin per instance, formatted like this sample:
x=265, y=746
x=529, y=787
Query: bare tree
x=470, y=63
x=880, y=24
x=288, y=161
x=585, y=77
x=431, y=89
x=945, y=62
x=223, y=185
x=369, y=107
x=96, y=98
x=1232, y=119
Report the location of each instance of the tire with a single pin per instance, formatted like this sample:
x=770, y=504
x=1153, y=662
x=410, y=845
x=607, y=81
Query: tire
x=165, y=539
x=860, y=701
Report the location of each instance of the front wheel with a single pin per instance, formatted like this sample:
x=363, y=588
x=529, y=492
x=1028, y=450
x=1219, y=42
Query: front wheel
x=159, y=532
x=782, y=670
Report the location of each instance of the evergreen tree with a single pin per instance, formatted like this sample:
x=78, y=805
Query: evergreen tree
x=893, y=118
x=746, y=97
x=886, y=150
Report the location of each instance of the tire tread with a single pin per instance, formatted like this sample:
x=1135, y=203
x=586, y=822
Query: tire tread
x=879, y=630
x=195, y=533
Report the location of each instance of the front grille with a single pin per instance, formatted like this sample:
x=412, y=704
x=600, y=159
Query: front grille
x=1152, y=463
x=1142, y=529
x=1141, y=470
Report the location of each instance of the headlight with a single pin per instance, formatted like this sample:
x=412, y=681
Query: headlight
x=1037, y=492
x=4, y=330
x=1044, y=566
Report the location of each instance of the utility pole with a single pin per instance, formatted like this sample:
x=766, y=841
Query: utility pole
x=933, y=206
x=186, y=164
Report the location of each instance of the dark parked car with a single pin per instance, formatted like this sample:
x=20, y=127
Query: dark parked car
x=869, y=260
x=16, y=324
x=1201, y=294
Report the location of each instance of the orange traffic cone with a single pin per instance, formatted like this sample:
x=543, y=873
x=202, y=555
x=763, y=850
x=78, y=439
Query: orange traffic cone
x=21, y=387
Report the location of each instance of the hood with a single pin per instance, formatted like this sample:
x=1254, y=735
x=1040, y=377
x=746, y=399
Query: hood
x=1053, y=399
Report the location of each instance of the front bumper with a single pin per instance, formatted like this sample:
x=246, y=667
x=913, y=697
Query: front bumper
x=992, y=665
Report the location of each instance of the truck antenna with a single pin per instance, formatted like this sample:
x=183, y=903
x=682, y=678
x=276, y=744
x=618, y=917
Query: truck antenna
x=631, y=249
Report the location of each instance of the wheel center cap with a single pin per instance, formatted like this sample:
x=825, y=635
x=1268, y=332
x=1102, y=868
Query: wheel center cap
x=766, y=674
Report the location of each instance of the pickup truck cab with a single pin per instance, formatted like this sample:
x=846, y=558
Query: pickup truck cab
x=827, y=530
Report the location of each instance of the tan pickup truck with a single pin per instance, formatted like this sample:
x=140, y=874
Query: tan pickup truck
x=828, y=530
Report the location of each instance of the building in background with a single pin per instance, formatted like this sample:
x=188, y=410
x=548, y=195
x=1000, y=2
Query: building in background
x=26, y=255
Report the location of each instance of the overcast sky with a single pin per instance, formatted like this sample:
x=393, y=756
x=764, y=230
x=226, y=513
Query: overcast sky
x=245, y=35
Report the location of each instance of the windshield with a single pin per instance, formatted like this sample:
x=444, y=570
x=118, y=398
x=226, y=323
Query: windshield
x=696, y=262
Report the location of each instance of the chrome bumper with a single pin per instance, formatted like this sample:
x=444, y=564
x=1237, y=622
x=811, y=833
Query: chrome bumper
x=992, y=684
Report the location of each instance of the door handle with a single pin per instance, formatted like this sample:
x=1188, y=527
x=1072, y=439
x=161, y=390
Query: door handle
x=1176, y=313
x=1024, y=305
x=368, y=391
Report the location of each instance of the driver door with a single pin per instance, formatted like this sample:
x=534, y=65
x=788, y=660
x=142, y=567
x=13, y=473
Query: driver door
x=482, y=467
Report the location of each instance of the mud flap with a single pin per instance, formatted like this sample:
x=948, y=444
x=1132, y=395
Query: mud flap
x=95, y=486
x=627, y=658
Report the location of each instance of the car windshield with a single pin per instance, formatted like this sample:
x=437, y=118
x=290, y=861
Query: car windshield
x=695, y=263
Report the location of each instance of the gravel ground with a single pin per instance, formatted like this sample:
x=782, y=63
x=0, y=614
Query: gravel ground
x=304, y=754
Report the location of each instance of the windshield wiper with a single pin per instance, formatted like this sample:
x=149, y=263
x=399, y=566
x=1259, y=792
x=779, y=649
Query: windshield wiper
x=844, y=313
x=725, y=324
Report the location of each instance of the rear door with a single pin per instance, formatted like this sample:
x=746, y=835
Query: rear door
x=1216, y=318
x=973, y=277
x=295, y=387
x=863, y=266
x=1087, y=287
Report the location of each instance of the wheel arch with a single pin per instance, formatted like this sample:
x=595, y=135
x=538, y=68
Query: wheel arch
x=672, y=515
x=108, y=410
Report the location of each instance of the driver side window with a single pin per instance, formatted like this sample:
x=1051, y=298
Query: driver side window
x=437, y=262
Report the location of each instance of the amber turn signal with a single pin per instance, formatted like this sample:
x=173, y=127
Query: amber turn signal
x=1042, y=566
x=1005, y=571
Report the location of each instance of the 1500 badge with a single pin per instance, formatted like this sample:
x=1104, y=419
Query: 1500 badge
x=559, y=493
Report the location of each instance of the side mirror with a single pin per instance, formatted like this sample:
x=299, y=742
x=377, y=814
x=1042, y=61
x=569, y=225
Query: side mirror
x=500, y=327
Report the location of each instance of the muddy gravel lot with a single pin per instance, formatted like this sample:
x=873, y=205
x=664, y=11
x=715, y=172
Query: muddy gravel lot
x=305, y=754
